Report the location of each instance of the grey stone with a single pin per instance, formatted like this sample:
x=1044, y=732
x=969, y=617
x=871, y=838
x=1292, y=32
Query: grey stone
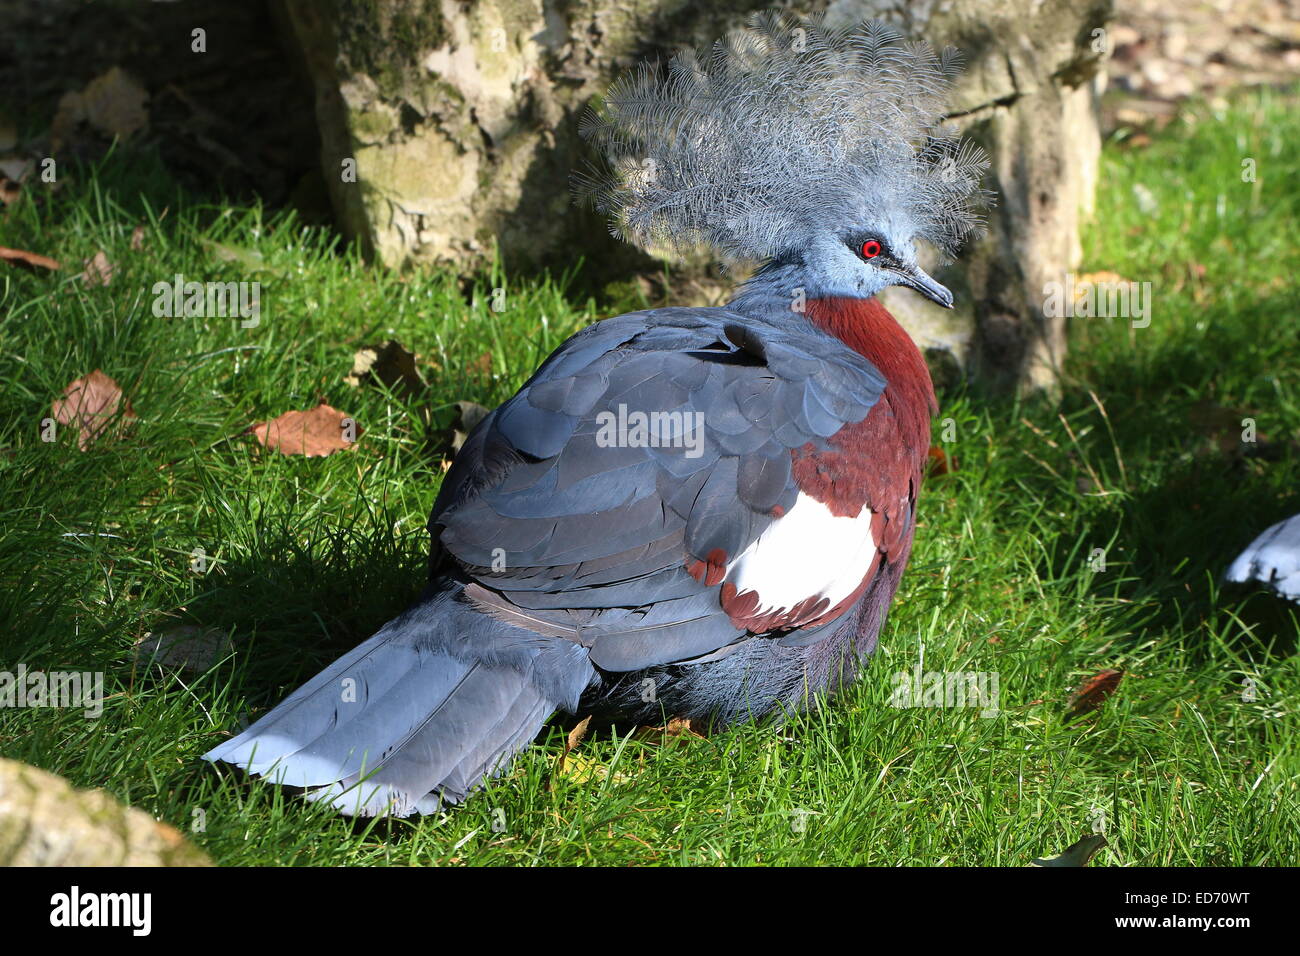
x=44, y=821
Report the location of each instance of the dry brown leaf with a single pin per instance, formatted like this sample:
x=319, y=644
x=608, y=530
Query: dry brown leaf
x=388, y=363
x=676, y=727
x=1223, y=429
x=1097, y=278
x=137, y=238
x=940, y=462
x=113, y=104
x=482, y=365
x=1092, y=693
x=315, y=433
x=575, y=737
x=97, y=270
x=91, y=404
x=1210, y=418
x=28, y=260
x=577, y=733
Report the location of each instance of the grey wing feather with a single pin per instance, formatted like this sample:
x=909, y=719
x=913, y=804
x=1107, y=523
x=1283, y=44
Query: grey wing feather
x=562, y=528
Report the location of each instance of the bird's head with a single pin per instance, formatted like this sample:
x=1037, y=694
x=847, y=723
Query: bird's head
x=819, y=154
x=859, y=262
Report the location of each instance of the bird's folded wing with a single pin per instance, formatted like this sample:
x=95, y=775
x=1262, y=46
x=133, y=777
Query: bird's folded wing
x=606, y=500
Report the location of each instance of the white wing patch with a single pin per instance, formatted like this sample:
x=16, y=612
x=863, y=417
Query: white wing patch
x=806, y=553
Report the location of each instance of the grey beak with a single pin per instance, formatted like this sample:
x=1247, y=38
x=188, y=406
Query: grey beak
x=915, y=278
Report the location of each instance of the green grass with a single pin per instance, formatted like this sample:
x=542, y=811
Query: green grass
x=310, y=556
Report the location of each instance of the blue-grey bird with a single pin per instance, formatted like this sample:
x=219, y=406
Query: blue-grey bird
x=1273, y=559
x=695, y=511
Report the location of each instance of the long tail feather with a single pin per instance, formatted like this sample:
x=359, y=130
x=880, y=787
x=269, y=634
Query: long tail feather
x=418, y=715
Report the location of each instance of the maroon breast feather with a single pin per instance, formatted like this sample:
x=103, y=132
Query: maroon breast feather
x=877, y=463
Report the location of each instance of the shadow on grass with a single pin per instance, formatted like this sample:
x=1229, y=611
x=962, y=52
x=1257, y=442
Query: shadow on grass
x=300, y=606
x=1175, y=410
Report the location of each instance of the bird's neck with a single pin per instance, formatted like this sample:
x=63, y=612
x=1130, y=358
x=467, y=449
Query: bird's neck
x=864, y=325
x=868, y=328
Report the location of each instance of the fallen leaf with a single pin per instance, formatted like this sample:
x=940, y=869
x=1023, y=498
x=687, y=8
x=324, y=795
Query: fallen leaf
x=28, y=260
x=577, y=733
x=940, y=462
x=112, y=104
x=571, y=742
x=1224, y=431
x=1209, y=417
x=469, y=414
x=390, y=364
x=1097, y=278
x=481, y=366
x=315, y=433
x=1092, y=693
x=582, y=769
x=676, y=727
x=137, y=238
x=187, y=647
x=97, y=270
x=1078, y=854
x=91, y=404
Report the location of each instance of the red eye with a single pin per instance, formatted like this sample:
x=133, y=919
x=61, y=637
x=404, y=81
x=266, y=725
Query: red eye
x=870, y=249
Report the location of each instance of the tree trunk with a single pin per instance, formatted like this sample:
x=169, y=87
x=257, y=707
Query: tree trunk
x=450, y=127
